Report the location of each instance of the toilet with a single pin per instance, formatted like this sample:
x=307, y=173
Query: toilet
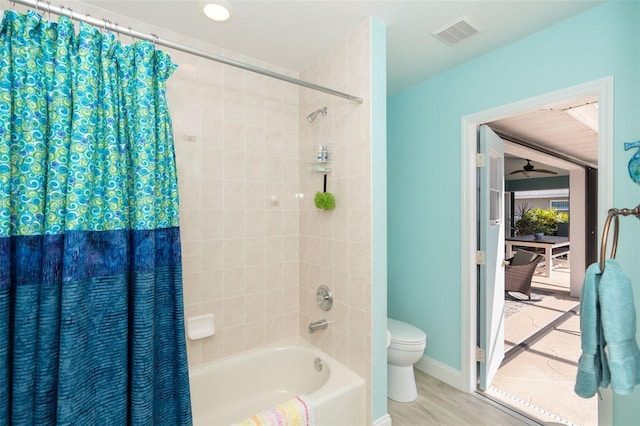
x=405, y=347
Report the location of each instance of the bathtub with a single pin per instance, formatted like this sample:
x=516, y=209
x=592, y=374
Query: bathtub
x=234, y=388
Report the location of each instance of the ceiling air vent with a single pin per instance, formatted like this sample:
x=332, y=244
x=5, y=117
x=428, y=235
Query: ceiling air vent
x=458, y=30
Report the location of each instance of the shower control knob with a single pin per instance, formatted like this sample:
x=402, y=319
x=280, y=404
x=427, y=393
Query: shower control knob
x=324, y=298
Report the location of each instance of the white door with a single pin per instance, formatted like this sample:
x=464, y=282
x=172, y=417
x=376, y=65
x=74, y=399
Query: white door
x=491, y=235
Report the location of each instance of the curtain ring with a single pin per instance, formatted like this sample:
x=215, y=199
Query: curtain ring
x=37, y=1
x=49, y=9
x=613, y=213
x=155, y=41
x=133, y=39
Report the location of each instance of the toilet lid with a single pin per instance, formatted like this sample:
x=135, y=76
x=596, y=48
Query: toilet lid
x=401, y=332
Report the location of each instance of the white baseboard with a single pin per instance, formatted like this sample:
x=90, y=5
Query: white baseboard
x=442, y=372
x=383, y=421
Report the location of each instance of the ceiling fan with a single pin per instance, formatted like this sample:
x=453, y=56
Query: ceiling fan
x=528, y=170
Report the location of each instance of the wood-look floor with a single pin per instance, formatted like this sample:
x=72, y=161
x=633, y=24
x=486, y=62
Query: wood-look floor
x=441, y=404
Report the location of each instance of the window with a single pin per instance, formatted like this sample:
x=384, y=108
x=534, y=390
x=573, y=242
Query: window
x=560, y=205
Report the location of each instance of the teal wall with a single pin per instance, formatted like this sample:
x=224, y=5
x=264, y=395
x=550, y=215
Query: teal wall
x=379, y=219
x=424, y=161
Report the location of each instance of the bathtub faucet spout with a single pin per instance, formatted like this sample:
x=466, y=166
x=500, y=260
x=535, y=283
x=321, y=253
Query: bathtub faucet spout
x=318, y=325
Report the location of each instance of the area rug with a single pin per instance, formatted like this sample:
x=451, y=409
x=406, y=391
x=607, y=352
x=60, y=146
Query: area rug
x=515, y=302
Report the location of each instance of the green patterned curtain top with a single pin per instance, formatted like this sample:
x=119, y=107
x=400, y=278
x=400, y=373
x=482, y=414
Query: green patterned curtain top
x=86, y=140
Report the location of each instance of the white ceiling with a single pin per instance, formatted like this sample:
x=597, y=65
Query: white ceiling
x=554, y=128
x=294, y=33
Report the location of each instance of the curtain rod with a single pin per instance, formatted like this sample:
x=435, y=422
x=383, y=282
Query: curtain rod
x=108, y=25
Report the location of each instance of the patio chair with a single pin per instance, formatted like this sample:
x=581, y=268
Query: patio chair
x=563, y=230
x=518, y=272
x=562, y=252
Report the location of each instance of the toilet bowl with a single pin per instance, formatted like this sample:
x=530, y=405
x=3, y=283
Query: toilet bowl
x=405, y=349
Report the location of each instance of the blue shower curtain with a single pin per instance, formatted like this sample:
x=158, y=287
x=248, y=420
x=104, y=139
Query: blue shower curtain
x=91, y=314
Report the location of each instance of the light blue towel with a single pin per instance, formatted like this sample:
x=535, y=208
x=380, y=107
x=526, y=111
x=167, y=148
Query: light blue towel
x=607, y=319
x=619, y=327
x=593, y=368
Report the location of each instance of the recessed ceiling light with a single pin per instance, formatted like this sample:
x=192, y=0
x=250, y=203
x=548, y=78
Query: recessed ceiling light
x=218, y=10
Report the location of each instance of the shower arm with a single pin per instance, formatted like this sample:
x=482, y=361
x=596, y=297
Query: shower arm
x=311, y=117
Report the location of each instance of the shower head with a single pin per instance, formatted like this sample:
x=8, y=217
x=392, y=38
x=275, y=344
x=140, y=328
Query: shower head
x=315, y=113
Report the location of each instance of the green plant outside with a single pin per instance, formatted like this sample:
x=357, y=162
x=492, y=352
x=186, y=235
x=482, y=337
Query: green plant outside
x=537, y=220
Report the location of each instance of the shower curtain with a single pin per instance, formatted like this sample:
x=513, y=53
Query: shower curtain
x=91, y=314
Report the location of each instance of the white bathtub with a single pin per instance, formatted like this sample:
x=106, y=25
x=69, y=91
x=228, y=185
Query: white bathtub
x=231, y=389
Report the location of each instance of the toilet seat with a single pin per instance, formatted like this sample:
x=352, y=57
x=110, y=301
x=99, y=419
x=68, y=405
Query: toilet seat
x=405, y=336
x=409, y=347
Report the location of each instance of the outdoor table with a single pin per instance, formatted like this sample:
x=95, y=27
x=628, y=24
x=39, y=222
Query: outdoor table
x=548, y=243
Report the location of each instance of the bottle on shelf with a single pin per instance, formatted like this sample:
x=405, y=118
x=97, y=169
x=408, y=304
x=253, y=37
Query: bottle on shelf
x=325, y=153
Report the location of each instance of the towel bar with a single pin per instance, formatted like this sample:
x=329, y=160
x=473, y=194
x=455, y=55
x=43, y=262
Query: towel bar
x=614, y=213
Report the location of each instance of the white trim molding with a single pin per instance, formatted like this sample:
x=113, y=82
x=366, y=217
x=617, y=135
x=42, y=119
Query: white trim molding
x=604, y=89
x=440, y=371
x=383, y=421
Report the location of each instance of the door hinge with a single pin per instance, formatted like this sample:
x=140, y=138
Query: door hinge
x=480, y=162
x=480, y=354
x=481, y=257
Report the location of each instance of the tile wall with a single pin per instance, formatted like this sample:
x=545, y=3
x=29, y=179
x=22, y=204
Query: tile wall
x=238, y=166
x=335, y=246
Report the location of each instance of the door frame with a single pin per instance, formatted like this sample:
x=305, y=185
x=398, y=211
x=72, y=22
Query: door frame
x=603, y=88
